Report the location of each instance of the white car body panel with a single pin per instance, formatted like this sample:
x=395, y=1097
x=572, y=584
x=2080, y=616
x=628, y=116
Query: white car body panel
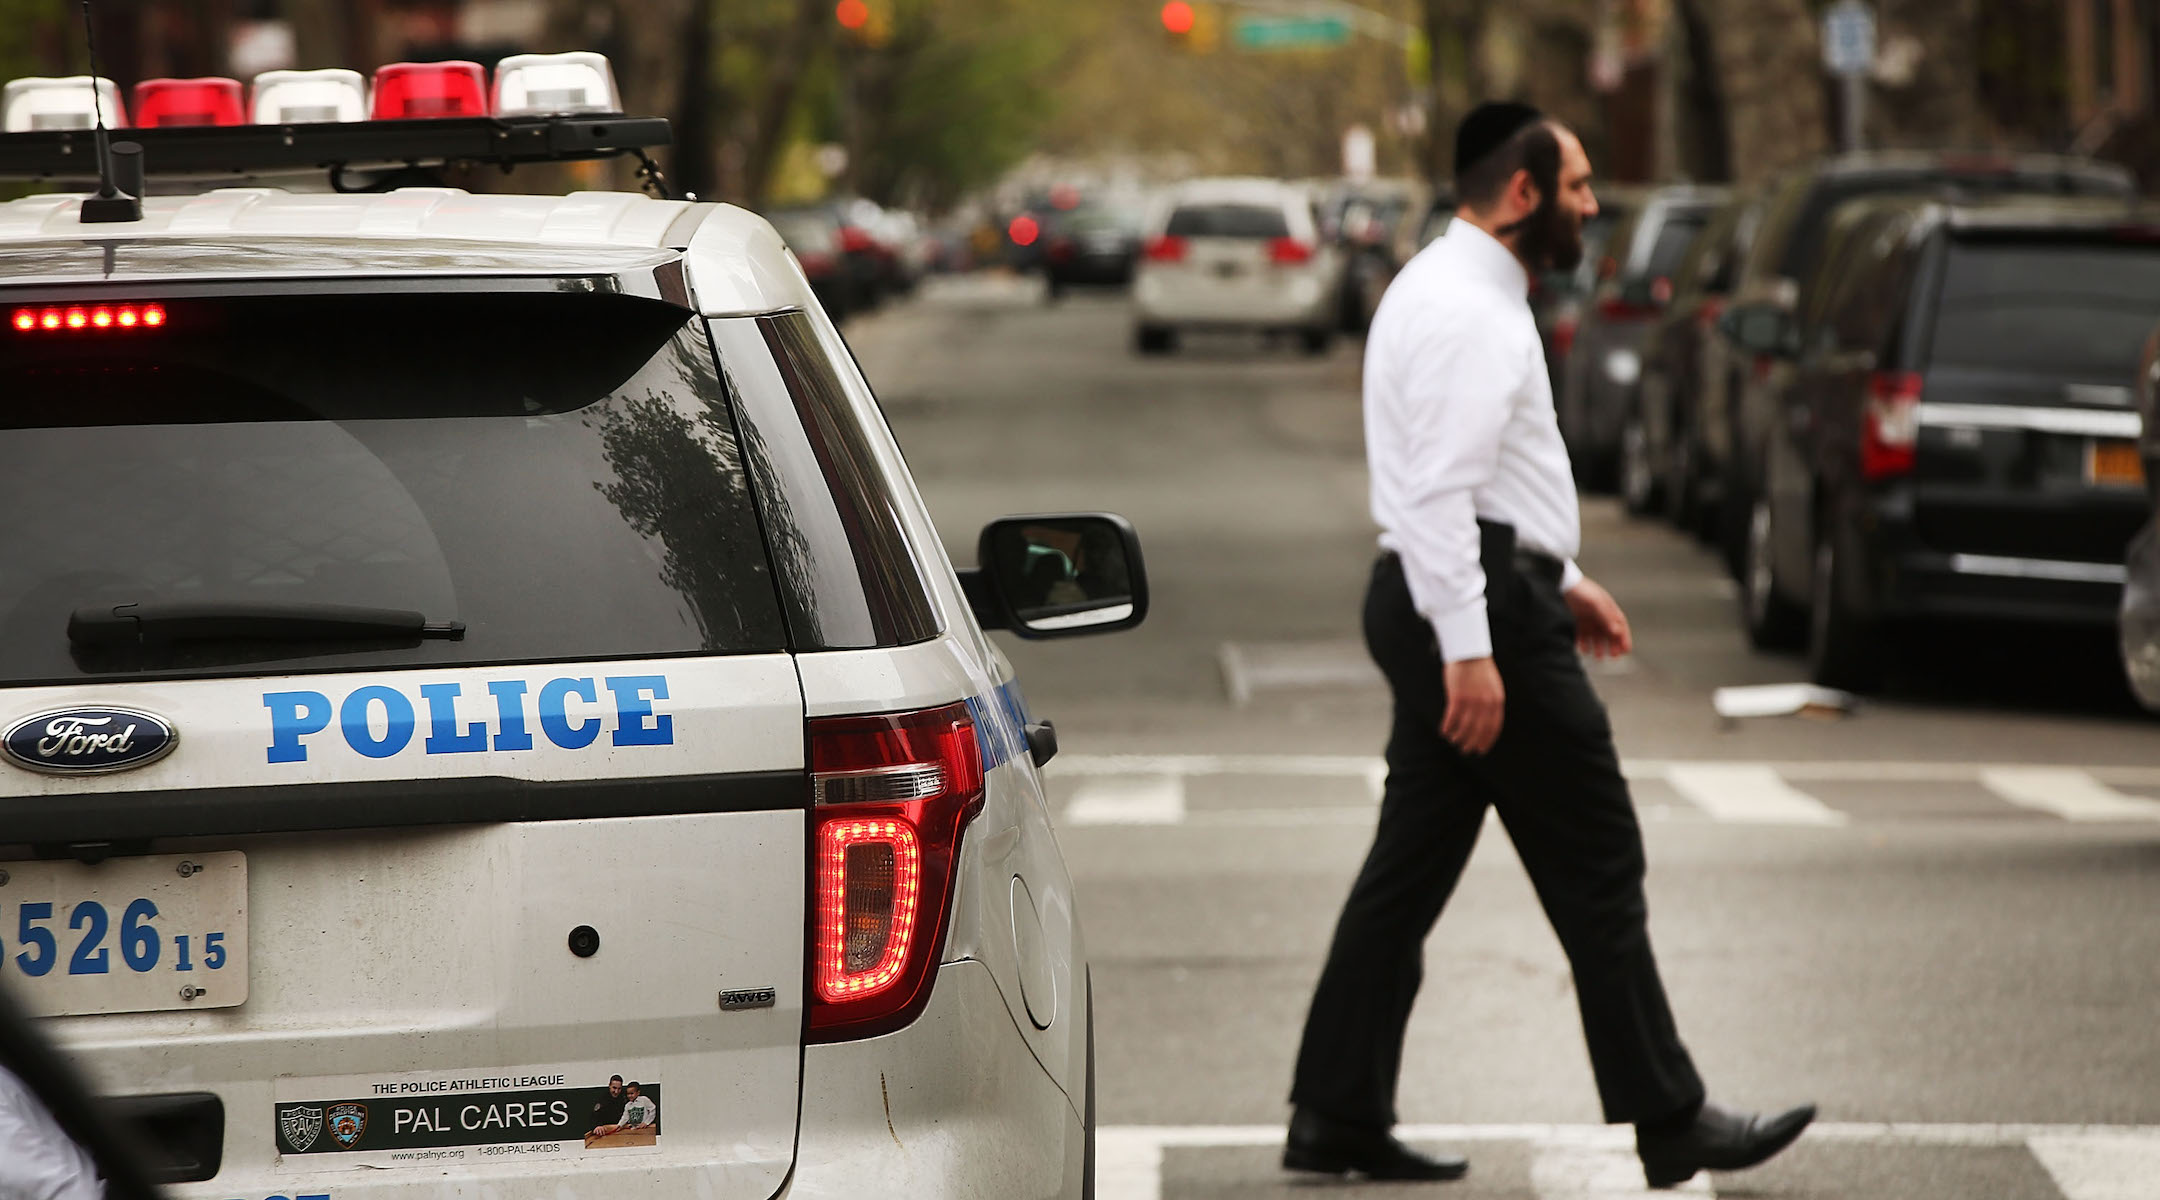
x=442, y=948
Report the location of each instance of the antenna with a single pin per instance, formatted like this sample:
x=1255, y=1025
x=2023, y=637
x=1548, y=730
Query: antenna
x=110, y=205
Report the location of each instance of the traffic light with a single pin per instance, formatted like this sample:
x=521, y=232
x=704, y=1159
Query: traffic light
x=863, y=22
x=1191, y=26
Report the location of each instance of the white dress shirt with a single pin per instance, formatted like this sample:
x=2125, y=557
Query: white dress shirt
x=1459, y=425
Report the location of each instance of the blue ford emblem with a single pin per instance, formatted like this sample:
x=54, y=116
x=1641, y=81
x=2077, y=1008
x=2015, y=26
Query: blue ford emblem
x=88, y=741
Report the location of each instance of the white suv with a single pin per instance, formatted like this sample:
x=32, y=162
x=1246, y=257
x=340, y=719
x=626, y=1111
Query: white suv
x=484, y=709
x=1239, y=255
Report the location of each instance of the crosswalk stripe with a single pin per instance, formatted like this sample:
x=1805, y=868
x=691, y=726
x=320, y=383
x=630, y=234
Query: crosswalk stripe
x=1585, y=1171
x=1749, y=794
x=1597, y=1162
x=1137, y=800
x=2100, y=1166
x=2069, y=793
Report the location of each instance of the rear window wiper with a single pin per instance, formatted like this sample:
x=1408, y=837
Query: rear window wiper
x=163, y=624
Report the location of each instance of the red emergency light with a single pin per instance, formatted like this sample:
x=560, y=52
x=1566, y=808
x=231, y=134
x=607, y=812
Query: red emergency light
x=81, y=318
x=443, y=89
x=209, y=101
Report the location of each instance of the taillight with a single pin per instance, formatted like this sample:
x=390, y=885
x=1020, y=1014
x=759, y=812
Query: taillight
x=1563, y=335
x=162, y=102
x=856, y=240
x=1061, y=250
x=84, y=318
x=441, y=89
x=891, y=797
x=1288, y=252
x=1890, y=425
x=1024, y=230
x=1165, y=250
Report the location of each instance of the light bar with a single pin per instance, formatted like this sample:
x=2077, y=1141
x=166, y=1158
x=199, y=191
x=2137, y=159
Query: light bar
x=432, y=90
x=310, y=97
x=35, y=104
x=160, y=103
x=546, y=85
x=88, y=318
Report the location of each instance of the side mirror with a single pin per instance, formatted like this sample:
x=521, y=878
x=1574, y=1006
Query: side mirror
x=1059, y=575
x=1762, y=329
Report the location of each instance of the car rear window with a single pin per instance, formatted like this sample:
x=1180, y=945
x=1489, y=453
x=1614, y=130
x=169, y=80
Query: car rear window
x=558, y=471
x=2078, y=308
x=1229, y=221
x=1674, y=235
x=1813, y=221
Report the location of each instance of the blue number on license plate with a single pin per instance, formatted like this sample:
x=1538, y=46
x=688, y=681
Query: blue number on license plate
x=83, y=940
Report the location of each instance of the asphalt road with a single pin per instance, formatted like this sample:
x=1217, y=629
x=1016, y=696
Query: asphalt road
x=1939, y=916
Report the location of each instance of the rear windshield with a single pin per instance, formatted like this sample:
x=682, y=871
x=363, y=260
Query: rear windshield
x=1674, y=236
x=2078, y=308
x=1814, y=219
x=1229, y=221
x=556, y=471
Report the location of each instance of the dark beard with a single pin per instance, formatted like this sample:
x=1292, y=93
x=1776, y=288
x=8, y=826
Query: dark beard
x=1551, y=237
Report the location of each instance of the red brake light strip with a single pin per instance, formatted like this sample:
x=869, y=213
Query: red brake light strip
x=80, y=318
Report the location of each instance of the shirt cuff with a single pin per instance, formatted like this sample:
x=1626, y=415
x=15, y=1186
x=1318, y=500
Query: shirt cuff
x=1464, y=633
x=1570, y=575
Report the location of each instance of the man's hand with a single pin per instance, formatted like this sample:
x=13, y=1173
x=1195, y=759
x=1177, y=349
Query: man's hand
x=1476, y=703
x=1601, y=629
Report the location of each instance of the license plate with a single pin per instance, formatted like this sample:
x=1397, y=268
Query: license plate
x=2114, y=462
x=126, y=935
x=1228, y=270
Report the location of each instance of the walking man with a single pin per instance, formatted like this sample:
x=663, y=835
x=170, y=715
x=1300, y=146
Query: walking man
x=1475, y=614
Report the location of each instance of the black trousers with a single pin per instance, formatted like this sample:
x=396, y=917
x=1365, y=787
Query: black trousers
x=1555, y=780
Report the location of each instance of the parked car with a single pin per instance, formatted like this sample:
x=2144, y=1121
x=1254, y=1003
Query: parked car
x=1090, y=247
x=1367, y=276
x=1365, y=220
x=814, y=234
x=1737, y=411
x=1237, y=254
x=1957, y=439
x=1600, y=376
x=2140, y=620
x=1674, y=387
x=1557, y=298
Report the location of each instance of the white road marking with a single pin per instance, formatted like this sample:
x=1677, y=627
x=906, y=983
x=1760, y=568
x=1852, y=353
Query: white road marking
x=1749, y=794
x=1137, y=789
x=2100, y=1166
x=2087, y=1162
x=2069, y=793
x=1135, y=800
x=1572, y=1170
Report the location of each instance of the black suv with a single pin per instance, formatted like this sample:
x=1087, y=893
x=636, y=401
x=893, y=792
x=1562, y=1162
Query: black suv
x=1781, y=264
x=1957, y=437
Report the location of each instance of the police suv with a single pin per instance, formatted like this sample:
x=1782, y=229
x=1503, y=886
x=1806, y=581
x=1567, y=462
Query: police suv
x=483, y=707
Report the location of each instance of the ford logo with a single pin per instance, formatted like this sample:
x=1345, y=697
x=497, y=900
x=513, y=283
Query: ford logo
x=88, y=741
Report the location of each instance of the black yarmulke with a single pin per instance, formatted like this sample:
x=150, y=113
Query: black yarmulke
x=1487, y=128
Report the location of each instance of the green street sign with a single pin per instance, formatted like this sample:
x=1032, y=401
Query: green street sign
x=1288, y=33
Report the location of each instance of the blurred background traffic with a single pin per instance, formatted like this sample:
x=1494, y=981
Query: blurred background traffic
x=1862, y=308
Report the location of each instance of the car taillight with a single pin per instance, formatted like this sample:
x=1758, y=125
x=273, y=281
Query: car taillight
x=891, y=797
x=1288, y=252
x=162, y=102
x=1166, y=250
x=88, y=318
x=1563, y=335
x=1890, y=426
x=1061, y=250
x=856, y=240
x=442, y=89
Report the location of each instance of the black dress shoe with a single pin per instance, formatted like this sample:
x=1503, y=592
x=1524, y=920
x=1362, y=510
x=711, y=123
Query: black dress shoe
x=1334, y=1148
x=1718, y=1139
